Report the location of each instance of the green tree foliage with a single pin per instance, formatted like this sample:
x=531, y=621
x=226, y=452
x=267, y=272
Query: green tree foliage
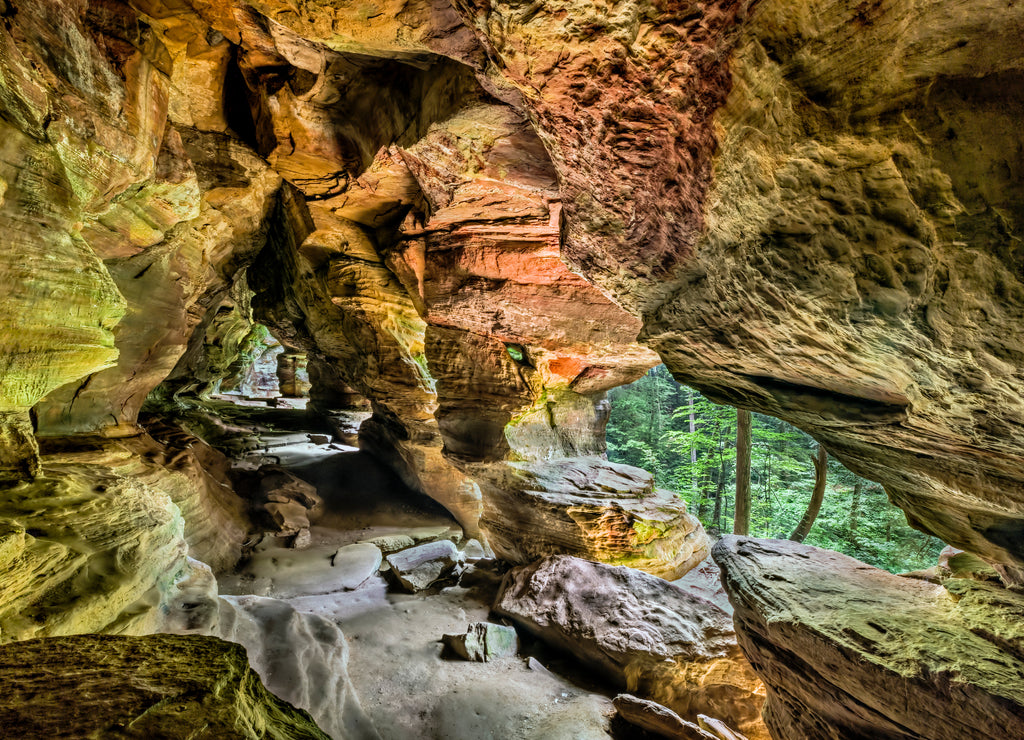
x=689, y=445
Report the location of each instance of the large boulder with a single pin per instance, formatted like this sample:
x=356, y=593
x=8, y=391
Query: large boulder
x=590, y=508
x=640, y=632
x=159, y=686
x=416, y=568
x=848, y=651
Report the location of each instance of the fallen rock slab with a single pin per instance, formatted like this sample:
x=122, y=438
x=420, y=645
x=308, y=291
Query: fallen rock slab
x=660, y=720
x=140, y=687
x=319, y=569
x=848, y=651
x=484, y=641
x=416, y=568
x=645, y=635
x=390, y=543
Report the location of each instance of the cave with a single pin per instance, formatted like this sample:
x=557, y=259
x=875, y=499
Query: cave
x=311, y=314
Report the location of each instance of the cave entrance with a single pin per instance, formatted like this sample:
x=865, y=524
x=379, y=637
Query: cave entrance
x=689, y=444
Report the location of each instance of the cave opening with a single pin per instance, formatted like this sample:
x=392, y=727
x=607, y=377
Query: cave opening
x=337, y=387
x=690, y=443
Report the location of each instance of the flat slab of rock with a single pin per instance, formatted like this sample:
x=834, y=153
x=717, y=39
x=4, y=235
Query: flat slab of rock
x=484, y=641
x=591, y=508
x=314, y=570
x=644, y=634
x=140, y=687
x=656, y=718
x=418, y=567
x=848, y=651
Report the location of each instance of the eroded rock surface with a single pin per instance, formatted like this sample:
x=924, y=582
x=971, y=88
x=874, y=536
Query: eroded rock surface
x=590, y=508
x=657, y=719
x=86, y=550
x=141, y=687
x=815, y=207
x=850, y=651
x=642, y=633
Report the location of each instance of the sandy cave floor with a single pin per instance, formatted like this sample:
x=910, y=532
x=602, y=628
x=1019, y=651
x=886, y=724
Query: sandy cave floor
x=405, y=680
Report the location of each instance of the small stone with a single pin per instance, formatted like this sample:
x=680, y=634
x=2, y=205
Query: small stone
x=301, y=540
x=418, y=567
x=289, y=517
x=484, y=642
x=319, y=439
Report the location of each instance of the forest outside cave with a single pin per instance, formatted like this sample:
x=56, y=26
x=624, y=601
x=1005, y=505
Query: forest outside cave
x=688, y=444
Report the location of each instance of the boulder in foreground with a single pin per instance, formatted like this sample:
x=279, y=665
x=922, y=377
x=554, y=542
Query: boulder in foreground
x=159, y=686
x=848, y=651
x=644, y=634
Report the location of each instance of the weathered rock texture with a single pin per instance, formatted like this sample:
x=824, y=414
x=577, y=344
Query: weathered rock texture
x=85, y=549
x=815, y=206
x=191, y=474
x=657, y=719
x=642, y=633
x=302, y=658
x=160, y=686
x=849, y=651
x=812, y=208
x=591, y=508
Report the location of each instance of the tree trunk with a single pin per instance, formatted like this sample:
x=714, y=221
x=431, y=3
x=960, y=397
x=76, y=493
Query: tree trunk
x=719, y=492
x=693, y=447
x=817, y=496
x=854, y=512
x=741, y=519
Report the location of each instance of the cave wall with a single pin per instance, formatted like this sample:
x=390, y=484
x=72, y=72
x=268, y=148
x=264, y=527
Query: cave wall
x=467, y=214
x=816, y=211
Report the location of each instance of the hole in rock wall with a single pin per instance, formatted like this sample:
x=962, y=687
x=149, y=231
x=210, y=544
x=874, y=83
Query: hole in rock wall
x=265, y=371
x=689, y=444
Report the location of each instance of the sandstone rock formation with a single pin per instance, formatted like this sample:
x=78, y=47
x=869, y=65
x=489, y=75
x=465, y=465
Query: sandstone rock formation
x=814, y=208
x=463, y=214
x=591, y=508
x=850, y=651
x=302, y=658
x=642, y=633
x=141, y=687
x=85, y=549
